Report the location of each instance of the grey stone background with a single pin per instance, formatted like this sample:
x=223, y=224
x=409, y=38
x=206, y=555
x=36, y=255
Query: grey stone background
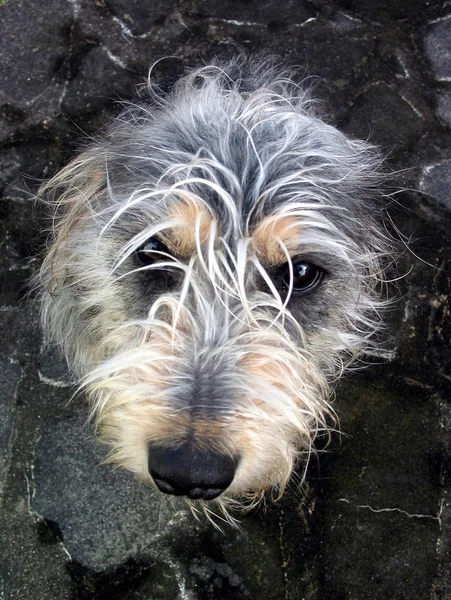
x=374, y=519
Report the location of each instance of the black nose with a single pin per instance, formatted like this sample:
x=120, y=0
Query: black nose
x=188, y=471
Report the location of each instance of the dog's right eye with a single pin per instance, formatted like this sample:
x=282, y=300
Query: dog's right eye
x=304, y=277
x=151, y=251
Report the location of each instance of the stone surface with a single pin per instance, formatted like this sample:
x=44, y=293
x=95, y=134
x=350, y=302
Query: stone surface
x=53, y=368
x=32, y=75
x=437, y=43
x=390, y=483
x=103, y=516
x=436, y=182
x=368, y=119
x=444, y=107
x=374, y=517
x=10, y=375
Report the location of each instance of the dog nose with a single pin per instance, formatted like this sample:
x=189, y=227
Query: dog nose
x=188, y=471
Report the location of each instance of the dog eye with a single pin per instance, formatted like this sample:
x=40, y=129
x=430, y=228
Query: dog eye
x=151, y=251
x=306, y=276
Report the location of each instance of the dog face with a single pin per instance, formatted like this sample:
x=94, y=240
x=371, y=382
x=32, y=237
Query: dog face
x=214, y=267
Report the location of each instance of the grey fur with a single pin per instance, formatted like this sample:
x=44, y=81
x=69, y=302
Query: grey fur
x=242, y=141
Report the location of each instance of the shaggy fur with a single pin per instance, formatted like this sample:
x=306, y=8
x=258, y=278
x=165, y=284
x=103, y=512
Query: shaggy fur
x=214, y=266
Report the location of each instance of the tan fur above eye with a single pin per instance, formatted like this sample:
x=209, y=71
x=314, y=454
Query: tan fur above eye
x=193, y=221
x=276, y=235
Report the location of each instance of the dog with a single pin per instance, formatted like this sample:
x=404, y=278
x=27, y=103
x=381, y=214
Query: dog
x=215, y=265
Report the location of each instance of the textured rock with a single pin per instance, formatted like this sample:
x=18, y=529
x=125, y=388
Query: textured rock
x=386, y=118
x=103, y=515
x=436, y=182
x=10, y=375
x=444, y=107
x=385, y=481
x=437, y=44
x=35, y=52
x=53, y=368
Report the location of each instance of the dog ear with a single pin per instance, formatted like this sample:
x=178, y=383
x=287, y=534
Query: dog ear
x=71, y=195
x=71, y=192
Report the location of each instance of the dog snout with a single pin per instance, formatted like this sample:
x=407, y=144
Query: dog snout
x=187, y=471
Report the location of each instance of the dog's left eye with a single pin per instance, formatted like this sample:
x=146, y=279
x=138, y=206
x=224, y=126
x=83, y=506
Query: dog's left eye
x=151, y=251
x=306, y=276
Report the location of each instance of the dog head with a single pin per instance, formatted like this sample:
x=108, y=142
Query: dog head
x=214, y=267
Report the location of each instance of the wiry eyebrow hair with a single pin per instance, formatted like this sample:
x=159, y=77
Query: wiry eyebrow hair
x=193, y=221
x=276, y=235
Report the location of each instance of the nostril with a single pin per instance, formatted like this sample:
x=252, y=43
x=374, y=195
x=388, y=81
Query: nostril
x=205, y=493
x=163, y=486
x=188, y=471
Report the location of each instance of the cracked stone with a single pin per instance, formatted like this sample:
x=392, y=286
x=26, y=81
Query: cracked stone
x=436, y=182
x=13, y=285
x=9, y=165
x=16, y=216
x=313, y=46
x=375, y=490
x=19, y=331
x=53, y=368
x=10, y=375
x=444, y=108
x=104, y=515
x=437, y=45
x=98, y=79
x=24, y=166
x=254, y=11
x=32, y=34
x=382, y=115
x=414, y=10
x=441, y=585
x=140, y=17
x=345, y=22
x=15, y=250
